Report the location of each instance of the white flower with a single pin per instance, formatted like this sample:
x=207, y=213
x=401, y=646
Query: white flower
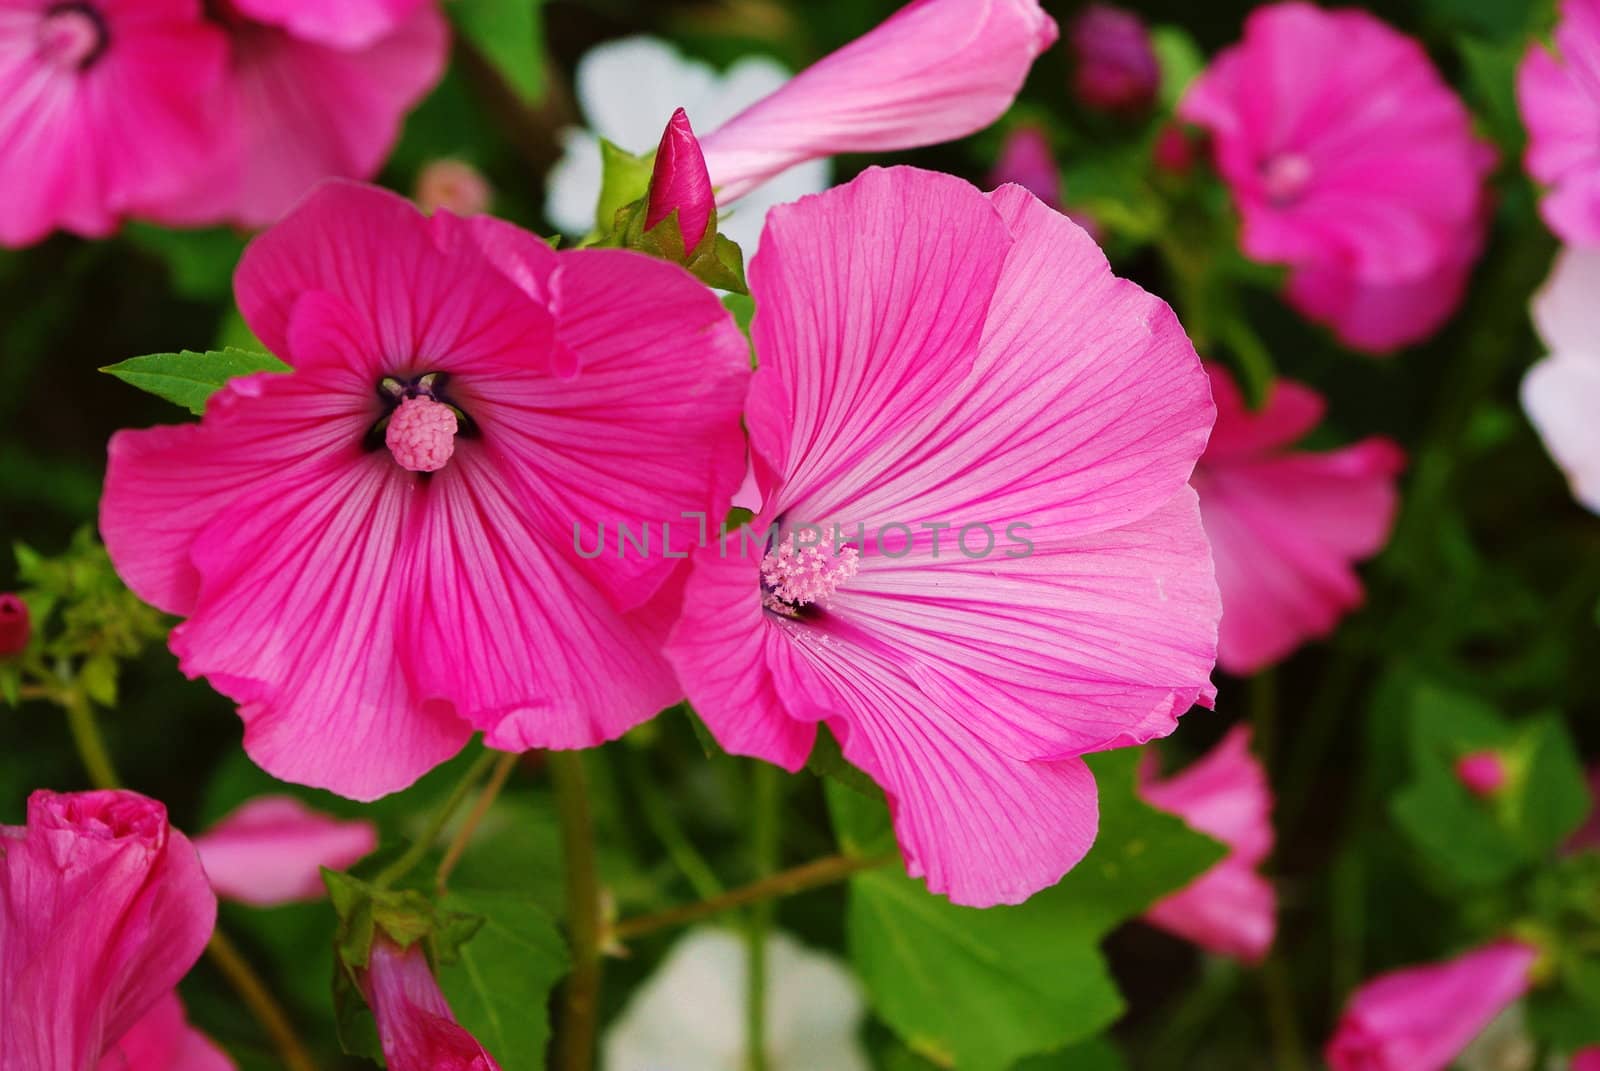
x=1561, y=393
x=690, y=1015
x=628, y=89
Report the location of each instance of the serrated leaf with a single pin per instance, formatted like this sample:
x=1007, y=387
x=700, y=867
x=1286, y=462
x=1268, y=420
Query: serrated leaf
x=510, y=35
x=188, y=378
x=500, y=981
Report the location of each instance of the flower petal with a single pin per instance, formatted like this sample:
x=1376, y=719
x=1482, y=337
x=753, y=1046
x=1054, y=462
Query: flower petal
x=165, y=1041
x=349, y=24
x=272, y=849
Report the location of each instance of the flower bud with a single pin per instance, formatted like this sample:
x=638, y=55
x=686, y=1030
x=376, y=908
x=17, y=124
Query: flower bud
x=1176, y=149
x=454, y=185
x=1116, y=69
x=1482, y=772
x=1026, y=160
x=15, y=627
x=680, y=182
x=415, y=1026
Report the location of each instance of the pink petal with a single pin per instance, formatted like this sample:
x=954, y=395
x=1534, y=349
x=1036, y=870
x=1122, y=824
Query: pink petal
x=1587, y=1060
x=1229, y=910
x=164, y=1041
x=349, y=24
x=679, y=182
x=1289, y=413
x=1559, y=394
x=935, y=71
x=1559, y=97
x=415, y=1026
x=272, y=849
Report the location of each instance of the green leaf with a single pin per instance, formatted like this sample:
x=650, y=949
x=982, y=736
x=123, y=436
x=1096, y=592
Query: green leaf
x=1180, y=59
x=189, y=378
x=510, y=35
x=1096, y=1055
x=828, y=761
x=499, y=982
x=624, y=179
x=860, y=820
x=98, y=676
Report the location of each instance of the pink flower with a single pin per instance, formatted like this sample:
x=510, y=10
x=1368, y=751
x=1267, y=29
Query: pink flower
x=1559, y=96
x=368, y=617
x=103, y=908
x=1587, y=1060
x=1287, y=526
x=455, y=185
x=1482, y=772
x=1419, y=1019
x=930, y=355
x=1026, y=160
x=102, y=110
x=164, y=1041
x=1116, y=69
x=415, y=1026
x=1361, y=172
x=679, y=182
x=935, y=71
x=313, y=90
x=1230, y=909
x=15, y=625
x=272, y=849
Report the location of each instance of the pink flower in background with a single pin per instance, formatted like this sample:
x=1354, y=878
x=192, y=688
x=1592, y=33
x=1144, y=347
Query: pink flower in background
x=415, y=1026
x=679, y=182
x=1115, y=65
x=1230, y=909
x=164, y=1041
x=1361, y=173
x=1419, y=1019
x=933, y=355
x=455, y=185
x=1559, y=96
x=102, y=110
x=1560, y=392
x=1026, y=160
x=1482, y=772
x=1587, y=1060
x=103, y=908
x=935, y=71
x=16, y=628
x=272, y=849
x=364, y=547
x=314, y=89
x=1287, y=526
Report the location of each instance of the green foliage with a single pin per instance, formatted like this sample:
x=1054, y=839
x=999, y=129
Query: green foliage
x=625, y=178
x=510, y=35
x=200, y=262
x=187, y=378
x=1181, y=61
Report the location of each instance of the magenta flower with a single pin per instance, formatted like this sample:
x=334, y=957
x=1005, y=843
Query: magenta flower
x=1115, y=65
x=1287, y=526
x=1482, y=772
x=1230, y=909
x=103, y=908
x=272, y=849
x=935, y=71
x=376, y=552
x=1419, y=1019
x=102, y=110
x=1361, y=173
x=1559, y=96
x=679, y=182
x=1026, y=160
x=932, y=356
x=415, y=1026
x=1587, y=1060
x=164, y=1041
x=313, y=90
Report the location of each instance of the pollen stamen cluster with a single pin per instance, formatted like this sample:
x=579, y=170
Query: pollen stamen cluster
x=792, y=577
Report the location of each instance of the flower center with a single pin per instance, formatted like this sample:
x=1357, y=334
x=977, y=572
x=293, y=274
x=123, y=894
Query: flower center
x=420, y=423
x=1285, y=177
x=72, y=36
x=792, y=578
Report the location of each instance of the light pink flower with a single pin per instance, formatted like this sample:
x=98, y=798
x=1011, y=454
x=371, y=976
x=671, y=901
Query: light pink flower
x=679, y=182
x=1559, y=96
x=1361, y=172
x=1419, y=1019
x=164, y=1041
x=415, y=1026
x=103, y=908
x=1230, y=909
x=453, y=184
x=1287, y=526
x=272, y=849
x=1561, y=390
x=1115, y=66
x=935, y=71
x=1026, y=160
x=1483, y=773
x=368, y=618
x=314, y=90
x=933, y=355
x=102, y=110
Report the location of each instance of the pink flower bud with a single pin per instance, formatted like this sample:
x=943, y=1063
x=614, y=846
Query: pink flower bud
x=15, y=628
x=680, y=182
x=1177, y=148
x=1116, y=67
x=1026, y=160
x=1483, y=772
x=415, y=1026
x=454, y=185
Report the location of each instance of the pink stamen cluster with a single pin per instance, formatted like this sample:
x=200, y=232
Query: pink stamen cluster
x=421, y=434
x=1286, y=176
x=794, y=577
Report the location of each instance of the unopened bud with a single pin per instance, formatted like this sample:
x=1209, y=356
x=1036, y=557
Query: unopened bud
x=1115, y=65
x=680, y=182
x=1026, y=160
x=15, y=626
x=1482, y=772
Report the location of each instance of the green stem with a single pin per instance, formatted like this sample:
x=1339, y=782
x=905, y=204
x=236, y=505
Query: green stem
x=659, y=816
x=86, y=735
x=458, y=843
x=1264, y=715
x=580, y=1010
x=767, y=787
x=1288, y=1051
x=423, y=844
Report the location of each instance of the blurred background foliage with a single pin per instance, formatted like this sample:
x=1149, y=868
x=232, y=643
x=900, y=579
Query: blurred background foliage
x=1480, y=624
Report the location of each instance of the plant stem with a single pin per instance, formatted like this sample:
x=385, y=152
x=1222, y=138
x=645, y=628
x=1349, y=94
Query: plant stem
x=86, y=736
x=658, y=815
x=798, y=879
x=440, y=818
x=1263, y=715
x=1288, y=1054
x=458, y=844
x=766, y=788
x=580, y=1009
x=254, y=993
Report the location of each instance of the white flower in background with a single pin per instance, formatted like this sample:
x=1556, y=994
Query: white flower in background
x=1561, y=393
x=690, y=1015
x=627, y=90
